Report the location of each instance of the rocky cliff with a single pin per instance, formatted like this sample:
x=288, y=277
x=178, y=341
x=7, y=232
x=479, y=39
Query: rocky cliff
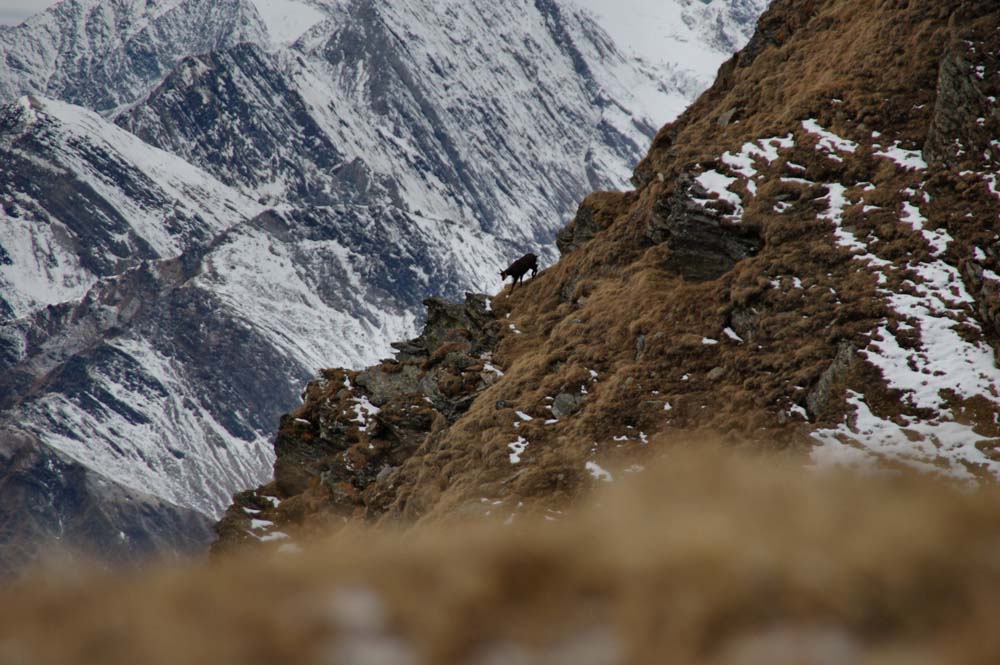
x=807, y=262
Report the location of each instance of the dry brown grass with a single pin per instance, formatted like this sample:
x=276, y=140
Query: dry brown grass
x=703, y=562
x=590, y=310
x=706, y=559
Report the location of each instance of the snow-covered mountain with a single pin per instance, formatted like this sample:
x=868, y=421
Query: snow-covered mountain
x=677, y=42
x=263, y=189
x=105, y=53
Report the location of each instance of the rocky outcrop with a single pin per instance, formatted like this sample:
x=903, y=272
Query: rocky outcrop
x=702, y=244
x=696, y=228
x=594, y=214
x=966, y=119
x=340, y=453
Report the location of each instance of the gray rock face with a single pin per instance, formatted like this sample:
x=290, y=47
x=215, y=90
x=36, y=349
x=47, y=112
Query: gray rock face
x=819, y=397
x=964, y=122
x=566, y=404
x=236, y=114
x=702, y=244
x=592, y=217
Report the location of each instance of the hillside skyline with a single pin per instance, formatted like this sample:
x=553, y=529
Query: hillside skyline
x=13, y=12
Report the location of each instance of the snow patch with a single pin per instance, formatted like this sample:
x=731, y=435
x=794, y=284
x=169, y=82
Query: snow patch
x=598, y=473
x=908, y=159
x=828, y=141
x=718, y=184
x=517, y=449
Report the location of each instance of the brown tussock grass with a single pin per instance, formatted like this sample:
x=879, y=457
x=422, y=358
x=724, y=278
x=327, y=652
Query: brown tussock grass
x=616, y=305
x=595, y=308
x=706, y=558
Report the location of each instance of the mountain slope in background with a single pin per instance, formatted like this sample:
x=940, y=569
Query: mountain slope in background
x=678, y=42
x=808, y=262
x=103, y=54
x=298, y=189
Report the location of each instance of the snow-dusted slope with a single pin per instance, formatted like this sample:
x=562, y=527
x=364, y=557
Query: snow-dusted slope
x=145, y=368
x=84, y=199
x=287, y=20
x=114, y=220
x=681, y=43
x=106, y=53
x=178, y=321
x=490, y=136
x=687, y=34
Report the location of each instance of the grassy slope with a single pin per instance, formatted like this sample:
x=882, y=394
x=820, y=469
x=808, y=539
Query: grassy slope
x=704, y=559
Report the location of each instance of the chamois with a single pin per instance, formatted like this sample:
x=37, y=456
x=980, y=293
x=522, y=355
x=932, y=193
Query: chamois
x=518, y=268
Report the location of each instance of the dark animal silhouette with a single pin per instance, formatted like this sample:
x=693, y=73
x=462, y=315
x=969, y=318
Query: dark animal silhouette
x=518, y=268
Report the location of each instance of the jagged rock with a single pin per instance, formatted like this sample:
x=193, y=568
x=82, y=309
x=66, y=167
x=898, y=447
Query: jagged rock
x=820, y=396
x=964, y=122
x=471, y=321
x=727, y=117
x=703, y=246
x=775, y=29
x=595, y=214
x=640, y=346
x=986, y=291
x=444, y=364
x=341, y=450
x=745, y=322
x=566, y=404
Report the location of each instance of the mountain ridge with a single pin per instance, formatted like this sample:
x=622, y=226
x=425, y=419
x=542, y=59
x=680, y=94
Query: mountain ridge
x=800, y=267
x=103, y=54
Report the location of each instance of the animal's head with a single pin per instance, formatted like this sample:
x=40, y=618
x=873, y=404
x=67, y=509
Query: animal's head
x=503, y=274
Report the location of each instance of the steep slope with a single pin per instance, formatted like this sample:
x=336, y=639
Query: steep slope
x=143, y=379
x=103, y=378
x=161, y=308
x=807, y=262
x=54, y=505
x=506, y=134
